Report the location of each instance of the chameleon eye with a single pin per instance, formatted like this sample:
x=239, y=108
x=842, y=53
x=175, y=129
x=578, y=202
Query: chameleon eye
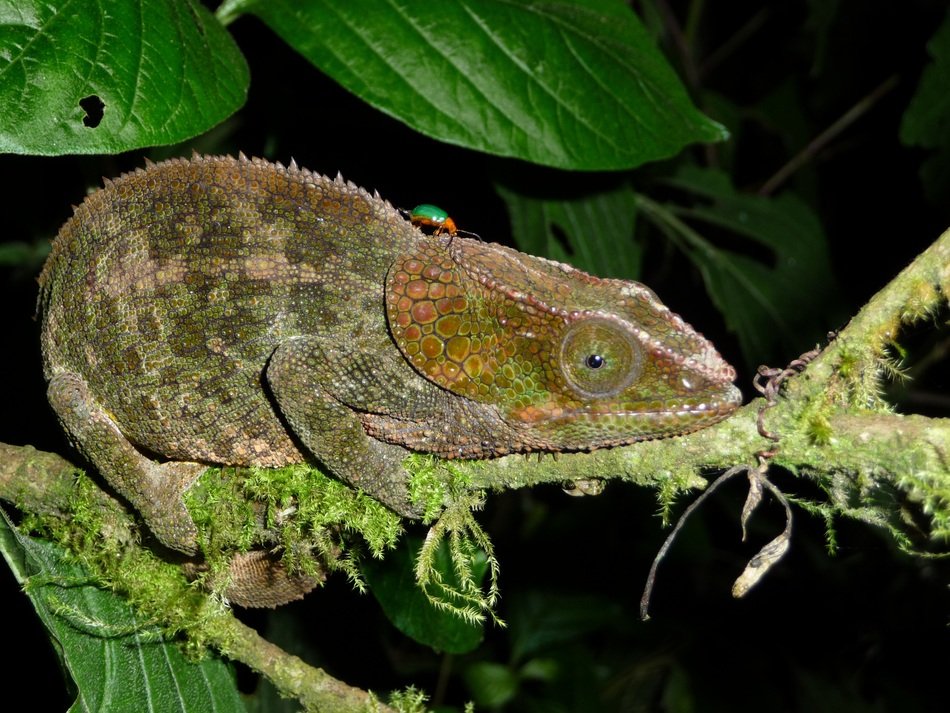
x=600, y=357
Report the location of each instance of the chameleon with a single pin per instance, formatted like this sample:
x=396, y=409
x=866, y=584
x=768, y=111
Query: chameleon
x=232, y=311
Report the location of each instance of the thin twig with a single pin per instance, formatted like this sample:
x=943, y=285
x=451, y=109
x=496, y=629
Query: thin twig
x=738, y=38
x=651, y=577
x=825, y=137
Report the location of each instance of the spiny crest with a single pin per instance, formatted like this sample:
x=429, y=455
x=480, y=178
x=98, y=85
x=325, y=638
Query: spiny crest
x=293, y=171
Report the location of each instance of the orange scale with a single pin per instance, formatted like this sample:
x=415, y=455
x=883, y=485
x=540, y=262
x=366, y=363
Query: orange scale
x=417, y=289
x=458, y=349
x=431, y=272
x=413, y=267
x=451, y=370
x=413, y=333
x=447, y=276
x=424, y=312
x=473, y=366
x=436, y=291
x=448, y=326
x=432, y=346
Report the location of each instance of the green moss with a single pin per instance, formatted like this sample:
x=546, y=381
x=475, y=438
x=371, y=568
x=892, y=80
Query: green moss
x=826, y=512
x=101, y=541
x=471, y=552
x=669, y=491
x=309, y=516
x=319, y=524
x=410, y=700
x=931, y=492
x=922, y=300
x=818, y=429
x=435, y=483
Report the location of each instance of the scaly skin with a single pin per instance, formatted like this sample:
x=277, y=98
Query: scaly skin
x=236, y=312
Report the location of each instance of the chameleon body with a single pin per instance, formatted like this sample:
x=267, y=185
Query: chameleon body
x=237, y=312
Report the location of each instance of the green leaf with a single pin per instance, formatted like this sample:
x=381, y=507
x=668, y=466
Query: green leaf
x=393, y=583
x=777, y=300
x=491, y=684
x=593, y=232
x=576, y=85
x=926, y=120
x=542, y=620
x=116, y=661
x=29, y=256
x=160, y=71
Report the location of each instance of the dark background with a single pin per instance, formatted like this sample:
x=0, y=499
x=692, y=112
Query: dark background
x=865, y=629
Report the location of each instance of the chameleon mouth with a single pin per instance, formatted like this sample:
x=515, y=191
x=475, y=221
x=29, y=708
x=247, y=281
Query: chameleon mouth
x=669, y=417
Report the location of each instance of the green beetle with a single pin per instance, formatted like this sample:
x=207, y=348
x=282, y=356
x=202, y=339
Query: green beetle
x=432, y=216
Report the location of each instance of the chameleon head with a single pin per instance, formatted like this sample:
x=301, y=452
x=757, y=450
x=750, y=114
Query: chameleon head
x=568, y=359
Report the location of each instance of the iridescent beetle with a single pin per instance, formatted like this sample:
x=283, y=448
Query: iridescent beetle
x=426, y=215
x=431, y=216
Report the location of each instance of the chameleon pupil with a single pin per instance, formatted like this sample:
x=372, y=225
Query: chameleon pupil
x=595, y=361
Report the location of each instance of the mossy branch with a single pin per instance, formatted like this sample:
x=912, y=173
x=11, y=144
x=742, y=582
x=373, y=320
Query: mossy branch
x=833, y=423
x=874, y=464
x=48, y=485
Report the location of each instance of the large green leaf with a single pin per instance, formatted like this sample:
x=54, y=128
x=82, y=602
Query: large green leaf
x=593, y=232
x=116, y=662
x=782, y=296
x=393, y=583
x=575, y=85
x=160, y=71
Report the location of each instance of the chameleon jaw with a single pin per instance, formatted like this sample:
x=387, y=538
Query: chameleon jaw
x=685, y=416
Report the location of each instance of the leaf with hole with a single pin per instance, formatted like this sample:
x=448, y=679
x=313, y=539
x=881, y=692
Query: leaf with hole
x=93, y=77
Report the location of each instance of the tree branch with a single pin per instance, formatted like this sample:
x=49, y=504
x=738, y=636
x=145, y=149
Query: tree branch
x=833, y=426
x=46, y=484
